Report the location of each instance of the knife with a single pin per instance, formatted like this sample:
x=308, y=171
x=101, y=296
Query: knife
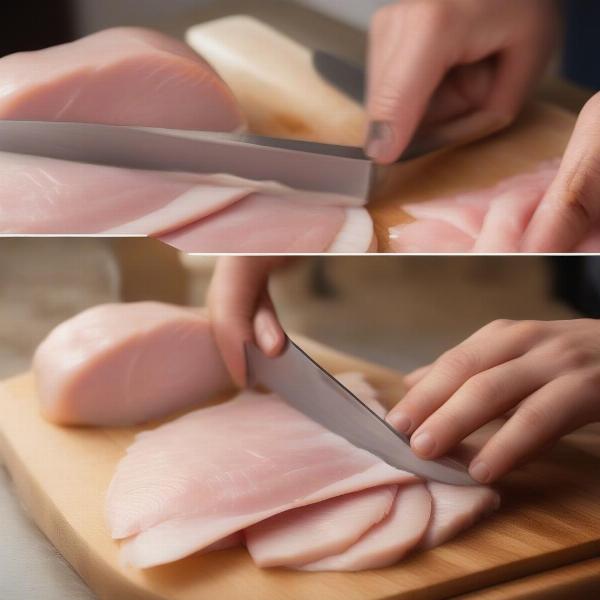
x=301, y=165
x=309, y=388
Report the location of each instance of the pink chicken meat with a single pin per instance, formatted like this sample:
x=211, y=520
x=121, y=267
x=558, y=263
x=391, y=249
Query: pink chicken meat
x=196, y=213
x=490, y=220
x=41, y=195
x=249, y=471
x=246, y=460
x=131, y=76
x=123, y=364
x=122, y=76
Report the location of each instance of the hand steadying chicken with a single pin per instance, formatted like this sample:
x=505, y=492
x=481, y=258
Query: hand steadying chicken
x=469, y=66
x=548, y=373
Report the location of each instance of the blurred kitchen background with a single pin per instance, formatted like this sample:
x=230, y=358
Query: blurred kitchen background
x=399, y=311
x=37, y=23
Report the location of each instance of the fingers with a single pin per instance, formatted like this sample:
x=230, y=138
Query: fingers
x=237, y=290
x=407, y=67
x=484, y=397
x=518, y=68
x=542, y=419
x=268, y=331
x=497, y=343
x=464, y=87
x=572, y=204
x=413, y=378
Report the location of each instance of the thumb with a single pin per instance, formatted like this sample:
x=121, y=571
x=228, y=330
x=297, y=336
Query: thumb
x=404, y=73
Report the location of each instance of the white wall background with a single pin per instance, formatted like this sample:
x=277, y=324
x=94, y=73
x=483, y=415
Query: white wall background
x=92, y=15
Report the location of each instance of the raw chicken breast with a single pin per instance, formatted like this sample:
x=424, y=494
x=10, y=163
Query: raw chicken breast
x=217, y=470
x=269, y=224
x=122, y=364
x=41, y=195
x=123, y=76
x=506, y=221
x=390, y=540
x=314, y=532
x=429, y=235
x=456, y=508
x=490, y=220
x=358, y=384
x=197, y=213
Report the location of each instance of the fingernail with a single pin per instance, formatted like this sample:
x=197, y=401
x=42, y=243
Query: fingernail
x=400, y=422
x=268, y=340
x=380, y=140
x=423, y=443
x=480, y=472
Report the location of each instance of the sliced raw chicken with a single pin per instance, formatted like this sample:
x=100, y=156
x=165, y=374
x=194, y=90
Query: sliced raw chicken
x=429, y=235
x=264, y=223
x=218, y=470
x=390, y=540
x=122, y=364
x=489, y=220
x=41, y=195
x=360, y=387
x=456, y=508
x=506, y=221
x=463, y=212
x=313, y=532
x=123, y=76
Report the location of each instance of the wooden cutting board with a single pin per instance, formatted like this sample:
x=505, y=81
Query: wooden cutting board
x=550, y=516
x=283, y=96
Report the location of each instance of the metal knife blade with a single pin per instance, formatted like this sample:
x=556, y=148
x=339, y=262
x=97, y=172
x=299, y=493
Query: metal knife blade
x=348, y=78
x=299, y=164
x=317, y=394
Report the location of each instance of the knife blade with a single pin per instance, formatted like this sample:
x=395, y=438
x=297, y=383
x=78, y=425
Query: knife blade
x=309, y=388
x=298, y=164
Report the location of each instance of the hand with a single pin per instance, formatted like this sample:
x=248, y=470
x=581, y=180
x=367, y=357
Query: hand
x=548, y=371
x=572, y=204
x=461, y=68
x=241, y=310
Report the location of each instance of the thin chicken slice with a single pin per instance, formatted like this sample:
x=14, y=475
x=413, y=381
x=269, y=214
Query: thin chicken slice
x=429, y=235
x=221, y=469
x=455, y=509
x=42, y=195
x=390, y=540
x=314, y=532
x=264, y=223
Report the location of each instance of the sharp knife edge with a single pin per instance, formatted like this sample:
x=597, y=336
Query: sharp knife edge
x=311, y=390
x=300, y=165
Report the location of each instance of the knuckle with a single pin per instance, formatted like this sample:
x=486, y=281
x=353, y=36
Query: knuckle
x=534, y=417
x=528, y=331
x=433, y=15
x=580, y=191
x=482, y=388
x=385, y=103
x=458, y=359
x=571, y=355
x=499, y=324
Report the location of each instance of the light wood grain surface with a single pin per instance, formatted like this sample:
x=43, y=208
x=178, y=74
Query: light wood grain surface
x=549, y=517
